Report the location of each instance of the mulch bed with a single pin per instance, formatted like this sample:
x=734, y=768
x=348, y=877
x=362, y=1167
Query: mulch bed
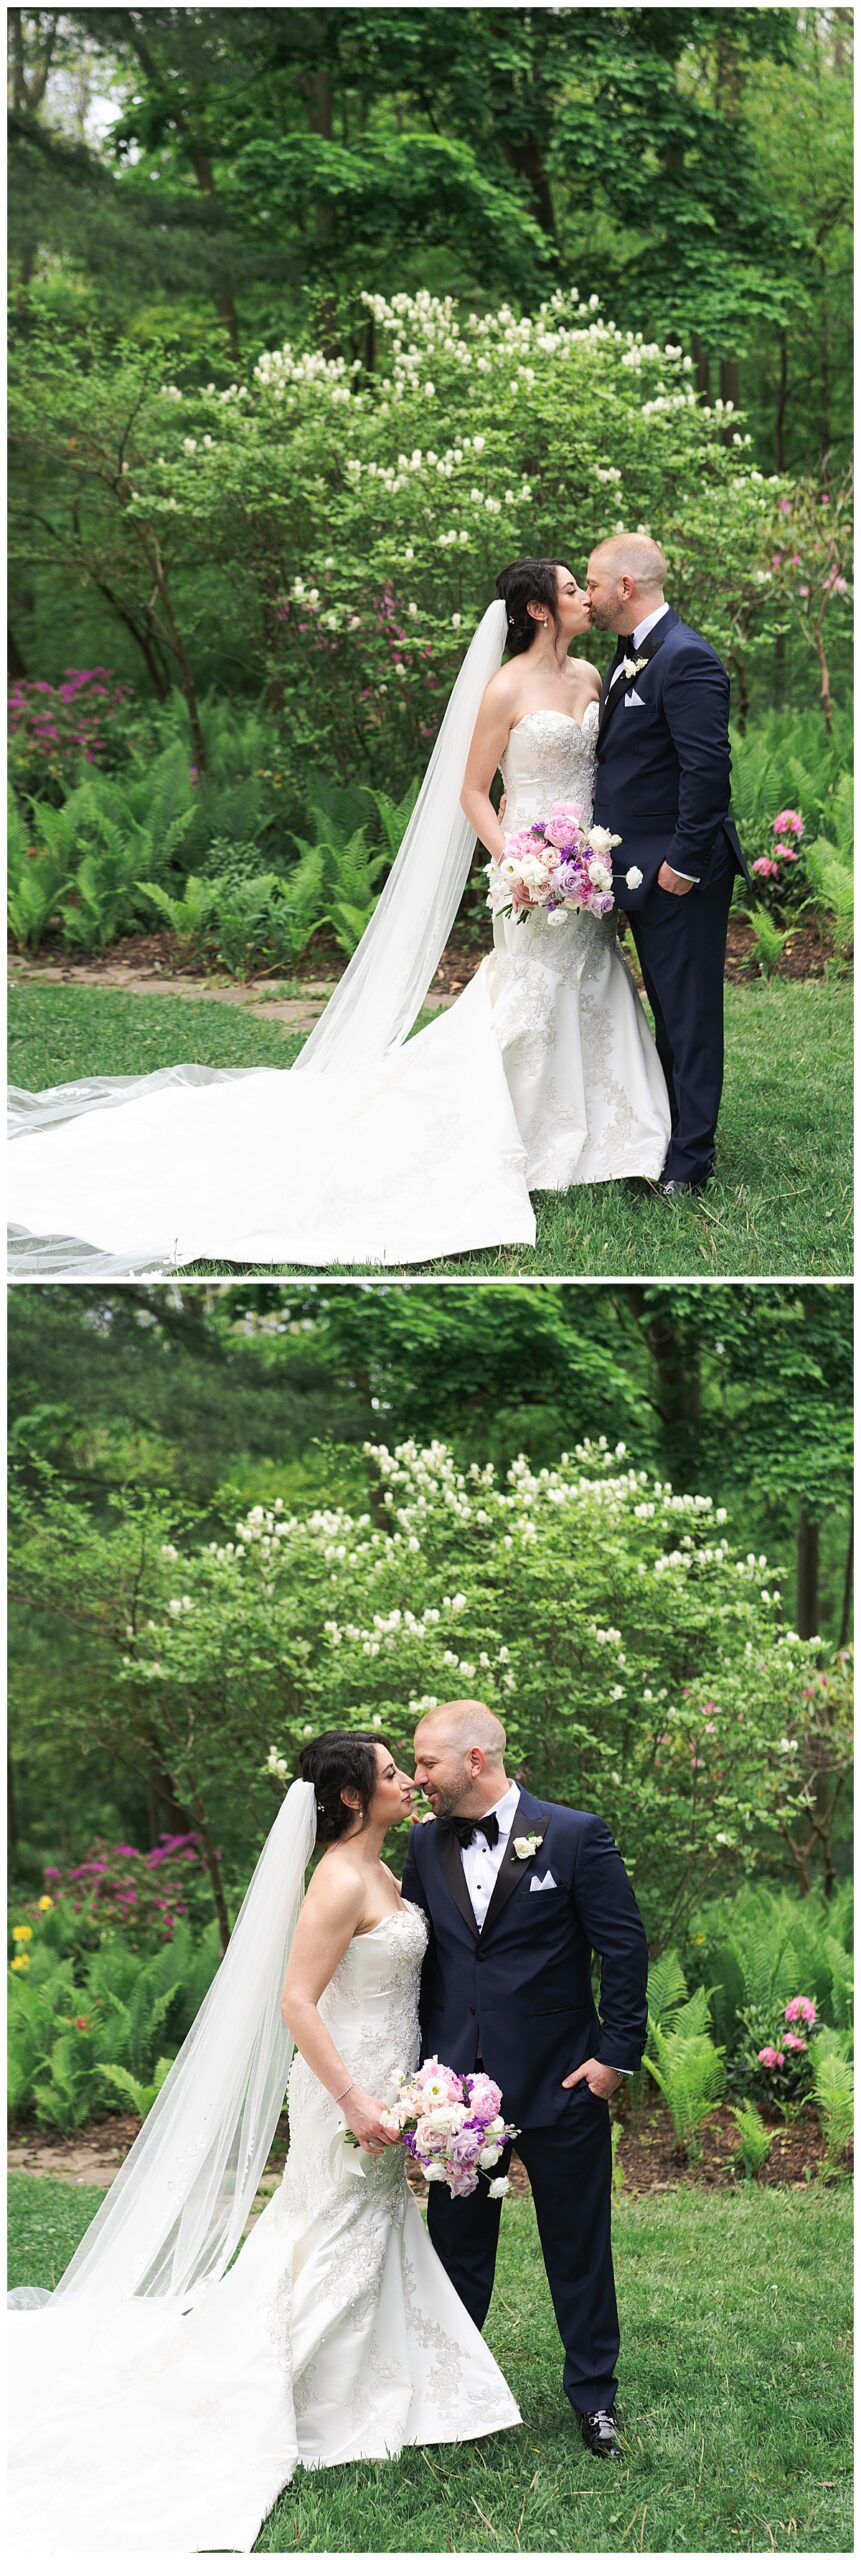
x=806, y=954
x=646, y=2153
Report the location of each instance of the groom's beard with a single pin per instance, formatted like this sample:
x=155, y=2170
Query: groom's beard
x=449, y=1800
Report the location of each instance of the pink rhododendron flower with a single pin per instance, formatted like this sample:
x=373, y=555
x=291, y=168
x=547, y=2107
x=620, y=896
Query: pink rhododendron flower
x=769, y=2055
x=789, y=822
x=800, y=2008
x=795, y=2044
x=766, y=869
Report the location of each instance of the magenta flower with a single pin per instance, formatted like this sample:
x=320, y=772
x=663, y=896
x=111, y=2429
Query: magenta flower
x=800, y=2008
x=795, y=2044
x=769, y=2056
x=766, y=869
x=789, y=822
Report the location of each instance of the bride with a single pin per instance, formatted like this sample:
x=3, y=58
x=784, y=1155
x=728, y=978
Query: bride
x=162, y=2396
x=376, y=1148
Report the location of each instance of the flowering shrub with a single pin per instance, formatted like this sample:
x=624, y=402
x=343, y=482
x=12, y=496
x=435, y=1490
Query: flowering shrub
x=781, y=2044
x=639, y=1662
x=362, y=518
x=780, y=872
x=51, y=727
x=811, y=542
x=142, y=1893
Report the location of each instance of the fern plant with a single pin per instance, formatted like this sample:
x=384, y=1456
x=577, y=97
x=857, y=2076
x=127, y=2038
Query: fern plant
x=139, y=2095
x=688, y=2070
x=755, y=2140
x=834, y=2094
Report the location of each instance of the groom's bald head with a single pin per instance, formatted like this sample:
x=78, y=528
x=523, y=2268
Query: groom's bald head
x=634, y=556
x=625, y=578
x=459, y=1752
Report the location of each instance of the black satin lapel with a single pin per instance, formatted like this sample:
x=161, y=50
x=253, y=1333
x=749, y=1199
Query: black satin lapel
x=448, y=1852
x=513, y=1869
x=651, y=645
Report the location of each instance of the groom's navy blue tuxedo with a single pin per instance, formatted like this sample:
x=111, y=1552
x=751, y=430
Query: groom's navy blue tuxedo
x=516, y=1997
x=663, y=785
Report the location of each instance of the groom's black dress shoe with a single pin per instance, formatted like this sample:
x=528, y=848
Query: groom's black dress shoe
x=683, y=1190
x=598, y=2430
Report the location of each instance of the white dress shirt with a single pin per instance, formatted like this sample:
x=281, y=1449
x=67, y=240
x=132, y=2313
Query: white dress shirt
x=481, y=1863
x=637, y=637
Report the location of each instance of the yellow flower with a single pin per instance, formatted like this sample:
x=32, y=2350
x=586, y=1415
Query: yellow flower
x=700, y=1939
x=22, y=1933
x=46, y=1902
x=19, y=1964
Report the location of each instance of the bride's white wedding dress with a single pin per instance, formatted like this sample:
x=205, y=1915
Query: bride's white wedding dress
x=543, y=1074
x=334, y=2337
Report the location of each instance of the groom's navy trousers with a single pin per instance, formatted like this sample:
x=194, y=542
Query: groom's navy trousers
x=515, y=1998
x=663, y=786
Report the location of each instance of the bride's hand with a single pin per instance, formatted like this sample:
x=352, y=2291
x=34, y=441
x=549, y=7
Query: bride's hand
x=364, y=2117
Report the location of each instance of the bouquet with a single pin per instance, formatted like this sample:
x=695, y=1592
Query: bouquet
x=556, y=864
x=452, y=2126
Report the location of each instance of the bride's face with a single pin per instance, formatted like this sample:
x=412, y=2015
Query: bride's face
x=572, y=607
x=394, y=1794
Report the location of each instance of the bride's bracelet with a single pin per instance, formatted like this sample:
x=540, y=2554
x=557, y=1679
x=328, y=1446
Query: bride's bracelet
x=344, y=2093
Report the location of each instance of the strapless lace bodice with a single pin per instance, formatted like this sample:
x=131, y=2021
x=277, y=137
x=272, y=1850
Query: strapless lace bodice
x=549, y=757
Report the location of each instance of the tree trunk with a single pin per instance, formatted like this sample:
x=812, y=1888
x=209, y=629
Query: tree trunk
x=729, y=390
x=200, y=163
x=807, y=1575
x=11, y=1806
x=846, y=1611
x=14, y=661
x=213, y=1870
x=702, y=362
x=782, y=397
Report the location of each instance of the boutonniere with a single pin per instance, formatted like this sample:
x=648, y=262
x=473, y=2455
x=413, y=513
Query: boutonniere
x=422, y=1817
x=526, y=1847
x=633, y=666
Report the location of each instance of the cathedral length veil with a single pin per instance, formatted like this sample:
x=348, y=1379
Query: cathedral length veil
x=169, y=2225
x=376, y=1001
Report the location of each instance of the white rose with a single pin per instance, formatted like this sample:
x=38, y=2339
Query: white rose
x=498, y=2187
x=600, y=874
x=433, y=2173
x=634, y=880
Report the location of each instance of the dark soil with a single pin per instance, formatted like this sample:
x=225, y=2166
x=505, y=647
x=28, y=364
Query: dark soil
x=646, y=2155
x=806, y=954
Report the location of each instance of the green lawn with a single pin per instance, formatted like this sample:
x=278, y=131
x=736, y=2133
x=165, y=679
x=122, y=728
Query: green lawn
x=780, y=1207
x=734, y=2389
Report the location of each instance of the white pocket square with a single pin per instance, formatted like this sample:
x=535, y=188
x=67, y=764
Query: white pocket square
x=632, y=697
x=542, y=1884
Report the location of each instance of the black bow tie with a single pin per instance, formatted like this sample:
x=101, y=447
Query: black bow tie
x=465, y=1829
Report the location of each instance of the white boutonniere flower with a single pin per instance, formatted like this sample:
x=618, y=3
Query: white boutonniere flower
x=526, y=1847
x=633, y=666
x=634, y=878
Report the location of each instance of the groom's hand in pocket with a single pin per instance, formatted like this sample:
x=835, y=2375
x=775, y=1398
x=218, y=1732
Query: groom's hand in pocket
x=600, y=2075
x=672, y=880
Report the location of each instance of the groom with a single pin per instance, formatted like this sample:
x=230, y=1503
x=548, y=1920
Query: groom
x=517, y=1893
x=663, y=785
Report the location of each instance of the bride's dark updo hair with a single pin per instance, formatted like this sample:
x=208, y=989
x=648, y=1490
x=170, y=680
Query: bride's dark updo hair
x=527, y=582
x=337, y=1760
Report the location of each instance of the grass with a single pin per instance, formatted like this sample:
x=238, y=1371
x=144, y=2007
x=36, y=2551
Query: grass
x=734, y=2391
x=781, y=1205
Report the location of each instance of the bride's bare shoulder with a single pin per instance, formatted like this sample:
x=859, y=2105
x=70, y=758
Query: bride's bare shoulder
x=501, y=694
x=336, y=1886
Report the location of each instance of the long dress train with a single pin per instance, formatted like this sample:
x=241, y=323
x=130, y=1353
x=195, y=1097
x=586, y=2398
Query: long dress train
x=334, y=2337
x=542, y=1075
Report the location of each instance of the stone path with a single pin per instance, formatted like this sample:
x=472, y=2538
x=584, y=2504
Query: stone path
x=295, y=1012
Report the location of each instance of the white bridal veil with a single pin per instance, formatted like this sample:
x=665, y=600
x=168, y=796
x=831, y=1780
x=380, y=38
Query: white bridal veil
x=366, y=1020
x=170, y=2223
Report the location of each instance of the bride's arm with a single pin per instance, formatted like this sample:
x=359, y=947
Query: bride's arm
x=327, y=1921
x=489, y=740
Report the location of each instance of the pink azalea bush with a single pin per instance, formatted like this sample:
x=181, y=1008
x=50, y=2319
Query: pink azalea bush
x=783, y=2059
x=780, y=874
x=140, y=1893
x=52, y=727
